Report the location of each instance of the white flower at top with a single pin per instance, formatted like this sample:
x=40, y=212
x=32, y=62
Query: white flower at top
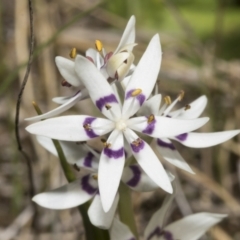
x=193, y=110
x=113, y=64
x=119, y=123
x=191, y=227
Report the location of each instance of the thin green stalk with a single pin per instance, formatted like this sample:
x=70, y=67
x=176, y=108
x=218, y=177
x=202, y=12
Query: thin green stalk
x=91, y=231
x=125, y=209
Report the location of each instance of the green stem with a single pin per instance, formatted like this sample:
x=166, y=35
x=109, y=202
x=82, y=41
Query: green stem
x=91, y=231
x=125, y=208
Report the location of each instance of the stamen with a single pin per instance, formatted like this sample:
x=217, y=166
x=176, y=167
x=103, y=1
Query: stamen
x=87, y=126
x=105, y=143
x=73, y=53
x=107, y=106
x=64, y=83
x=75, y=166
x=181, y=95
x=80, y=143
x=137, y=142
x=150, y=118
x=136, y=92
x=168, y=100
x=95, y=177
x=98, y=45
x=187, y=107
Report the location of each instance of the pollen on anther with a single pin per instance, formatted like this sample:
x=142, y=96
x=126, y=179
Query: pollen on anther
x=136, y=92
x=168, y=100
x=137, y=142
x=150, y=118
x=105, y=143
x=87, y=126
x=181, y=95
x=107, y=106
x=95, y=177
x=73, y=53
x=98, y=45
x=187, y=107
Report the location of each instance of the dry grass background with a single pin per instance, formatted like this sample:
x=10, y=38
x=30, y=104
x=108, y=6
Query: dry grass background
x=187, y=64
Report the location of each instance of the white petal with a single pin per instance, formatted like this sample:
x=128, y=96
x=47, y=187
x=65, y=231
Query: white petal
x=162, y=127
x=120, y=231
x=99, y=89
x=93, y=54
x=156, y=221
x=74, y=153
x=195, y=111
x=67, y=69
x=110, y=169
x=128, y=34
x=148, y=161
x=68, y=196
x=144, y=77
x=151, y=106
x=194, y=226
x=67, y=105
x=70, y=128
x=98, y=217
x=124, y=69
x=138, y=180
x=171, y=154
x=202, y=140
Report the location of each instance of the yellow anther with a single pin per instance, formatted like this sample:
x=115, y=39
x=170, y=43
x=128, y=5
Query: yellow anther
x=136, y=92
x=73, y=53
x=150, y=118
x=187, y=107
x=95, y=177
x=137, y=142
x=107, y=106
x=105, y=143
x=98, y=45
x=87, y=126
x=181, y=95
x=168, y=100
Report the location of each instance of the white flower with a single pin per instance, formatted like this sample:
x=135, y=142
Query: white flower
x=190, y=139
x=115, y=65
x=86, y=187
x=191, y=227
x=119, y=123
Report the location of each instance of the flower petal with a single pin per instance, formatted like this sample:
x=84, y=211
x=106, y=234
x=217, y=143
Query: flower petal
x=144, y=78
x=155, y=224
x=67, y=105
x=128, y=34
x=72, y=128
x=111, y=168
x=171, y=154
x=68, y=196
x=98, y=217
x=196, y=109
x=148, y=160
x=162, y=127
x=151, y=106
x=194, y=226
x=120, y=231
x=74, y=153
x=202, y=140
x=67, y=69
x=99, y=89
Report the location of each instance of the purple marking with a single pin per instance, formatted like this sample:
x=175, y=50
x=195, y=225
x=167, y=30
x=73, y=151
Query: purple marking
x=137, y=148
x=165, y=144
x=141, y=98
x=89, y=132
x=86, y=185
x=88, y=160
x=133, y=182
x=182, y=137
x=150, y=127
x=107, y=57
x=101, y=102
x=113, y=153
x=156, y=232
x=167, y=235
x=132, y=238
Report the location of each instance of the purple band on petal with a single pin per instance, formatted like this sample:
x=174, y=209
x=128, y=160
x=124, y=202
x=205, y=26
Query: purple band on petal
x=101, y=102
x=158, y=232
x=132, y=238
x=182, y=137
x=165, y=144
x=167, y=235
x=150, y=127
x=113, y=153
x=88, y=160
x=133, y=182
x=137, y=148
x=141, y=98
x=89, y=131
x=86, y=186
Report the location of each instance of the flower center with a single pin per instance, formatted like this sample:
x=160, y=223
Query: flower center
x=121, y=125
